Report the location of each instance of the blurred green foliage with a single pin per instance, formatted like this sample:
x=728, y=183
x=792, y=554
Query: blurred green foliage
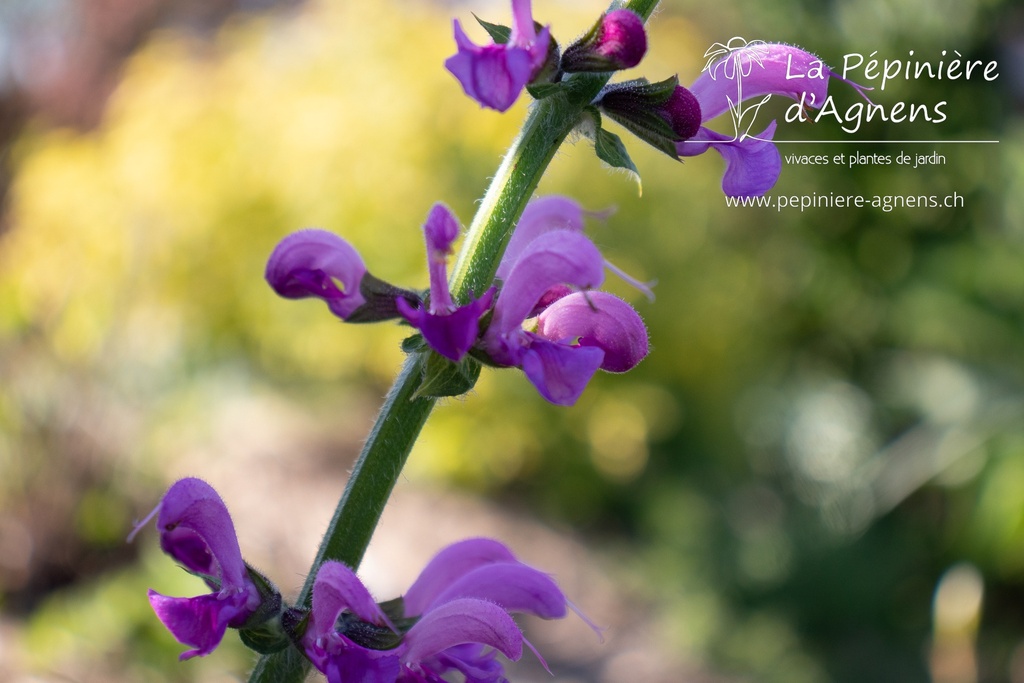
x=831, y=416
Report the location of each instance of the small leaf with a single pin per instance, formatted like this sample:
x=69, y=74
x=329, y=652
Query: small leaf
x=394, y=610
x=650, y=128
x=498, y=33
x=662, y=90
x=442, y=377
x=610, y=150
x=608, y=146
x=265, y=639
x=542, y=90
x=415, y=344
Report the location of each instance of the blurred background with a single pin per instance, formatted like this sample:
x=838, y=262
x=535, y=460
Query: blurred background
x=817, y=475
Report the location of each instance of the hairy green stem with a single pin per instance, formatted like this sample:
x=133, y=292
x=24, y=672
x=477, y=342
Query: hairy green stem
x=402, y=417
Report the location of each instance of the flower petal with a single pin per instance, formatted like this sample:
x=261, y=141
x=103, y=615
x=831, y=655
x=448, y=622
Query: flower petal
x=196, y=530
x=466, y=620
x=765, y=69
x=450, y=334
x=493, y=75
x=556, y=257
x=477, y=663
x=440, y=231
x=357, y=665
x=514, y=586
x=523, y=31
x=200, y=621
x=311, y=263
x=335, y=589
x=598, y=319
x=449, y=565
x=541, y=215
x=560, y=372
x=752, y=165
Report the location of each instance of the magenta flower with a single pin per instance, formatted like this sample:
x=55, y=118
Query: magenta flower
x=312, y=263
x=576, y=332
x=757, y=70
x=617, y=41
x=494, y=74
x=454, y=618
x=196, y=530
x=541, y=215
x=449, y=329
x=548, y=258
x=554, y=212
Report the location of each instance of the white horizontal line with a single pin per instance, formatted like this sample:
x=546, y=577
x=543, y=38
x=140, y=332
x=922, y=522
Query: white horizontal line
x=886, y=142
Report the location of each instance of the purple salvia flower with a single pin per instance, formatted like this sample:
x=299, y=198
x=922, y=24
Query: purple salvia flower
x=598, y=319
x=450, y=330
x=541, y=215
x=548, y=258
x=554, y=212
x=494, y=75
x=311, y=263
x=753, y=162
x=617, y=41
x=196, y=530
x=557, y=257
x=335, y=590
x=561, y=356
x=460, y=605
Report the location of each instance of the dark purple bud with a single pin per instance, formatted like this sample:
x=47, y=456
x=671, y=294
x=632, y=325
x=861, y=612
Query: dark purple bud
x=617, y=41
x=682, y=111
x=661, y=114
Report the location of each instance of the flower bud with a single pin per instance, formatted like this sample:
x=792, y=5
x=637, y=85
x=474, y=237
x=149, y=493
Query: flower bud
x=682, y=111
x=660, y=114
x=617, y=41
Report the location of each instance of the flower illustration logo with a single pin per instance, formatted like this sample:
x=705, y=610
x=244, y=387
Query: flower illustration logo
x=734, y=61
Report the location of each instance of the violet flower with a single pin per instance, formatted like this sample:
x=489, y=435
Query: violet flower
x=752, y=162
x=554, y=212
x=312, y=263
x=196, y=530
x=494, y=75
x=577, y=332
x=548, y=258
x=449, y=329
x=454, y=618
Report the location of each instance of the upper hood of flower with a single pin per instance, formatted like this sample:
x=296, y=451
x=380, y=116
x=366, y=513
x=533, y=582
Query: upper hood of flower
x=759, y=70
x=311, y=263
